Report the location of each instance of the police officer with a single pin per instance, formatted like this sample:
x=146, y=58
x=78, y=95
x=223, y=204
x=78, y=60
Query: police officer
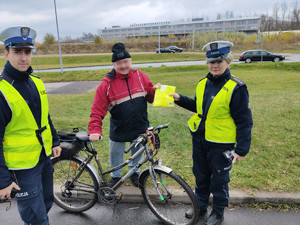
x=222, y=122
x=27, y=135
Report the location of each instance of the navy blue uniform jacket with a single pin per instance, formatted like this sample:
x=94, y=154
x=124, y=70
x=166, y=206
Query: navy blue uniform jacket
x=26, y=87
x=239, y=110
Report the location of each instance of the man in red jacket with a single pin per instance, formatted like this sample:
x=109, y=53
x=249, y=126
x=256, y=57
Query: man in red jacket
x=124, y=92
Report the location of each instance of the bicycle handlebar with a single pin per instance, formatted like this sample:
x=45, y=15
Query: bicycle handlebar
x=158, y=127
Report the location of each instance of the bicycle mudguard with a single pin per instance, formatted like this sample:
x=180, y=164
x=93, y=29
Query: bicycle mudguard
x=156, y=167
x=91, y=167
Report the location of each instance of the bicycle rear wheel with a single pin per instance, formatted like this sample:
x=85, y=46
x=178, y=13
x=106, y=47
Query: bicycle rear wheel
x=177, y=197
x=73, y=195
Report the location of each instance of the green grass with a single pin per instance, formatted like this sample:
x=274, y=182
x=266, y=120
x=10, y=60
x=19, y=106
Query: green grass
x=273, y=163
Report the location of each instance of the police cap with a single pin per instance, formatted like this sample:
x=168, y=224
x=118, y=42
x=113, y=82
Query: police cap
x=217, y=51
x=18, y=37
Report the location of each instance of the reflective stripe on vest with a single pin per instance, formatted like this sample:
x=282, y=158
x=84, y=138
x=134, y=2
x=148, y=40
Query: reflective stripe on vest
x=219, y=125
x=21, y=146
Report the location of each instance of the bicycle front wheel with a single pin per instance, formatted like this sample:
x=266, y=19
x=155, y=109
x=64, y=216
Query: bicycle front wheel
x=175, y=200
x=70, y=193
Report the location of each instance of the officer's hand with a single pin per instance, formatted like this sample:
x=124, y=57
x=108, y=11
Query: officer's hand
x=5, y=192
x=56, y=151
x=175, y=96
x=237, y=158
x=157, y=86
x=95, y=137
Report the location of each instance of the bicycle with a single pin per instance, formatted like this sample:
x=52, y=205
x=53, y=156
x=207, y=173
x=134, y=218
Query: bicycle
x=78, y=186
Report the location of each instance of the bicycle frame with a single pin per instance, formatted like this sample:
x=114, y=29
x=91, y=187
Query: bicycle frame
x=92, y=153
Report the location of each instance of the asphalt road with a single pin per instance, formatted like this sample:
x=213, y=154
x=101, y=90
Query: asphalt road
x=140, y=214
x=289, y=58
x=79, y=87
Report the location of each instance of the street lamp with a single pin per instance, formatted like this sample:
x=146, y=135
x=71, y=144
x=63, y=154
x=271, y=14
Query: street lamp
x=61, y=65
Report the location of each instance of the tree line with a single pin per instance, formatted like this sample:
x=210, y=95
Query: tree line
x=283, y=17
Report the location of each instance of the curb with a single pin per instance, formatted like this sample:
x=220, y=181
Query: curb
x=237, y=197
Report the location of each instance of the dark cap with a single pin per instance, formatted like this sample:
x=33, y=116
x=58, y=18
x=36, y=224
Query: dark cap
x=119, y=52
x=217, y=51
x=18, y=37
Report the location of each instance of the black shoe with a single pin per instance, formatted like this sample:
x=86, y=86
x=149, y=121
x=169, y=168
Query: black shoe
x=113, y=181
x=214, y=219
x=135, y=179
x=190, y=213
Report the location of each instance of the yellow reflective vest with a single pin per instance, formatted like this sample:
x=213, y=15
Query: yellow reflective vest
x=219, y=125
x=21, y=145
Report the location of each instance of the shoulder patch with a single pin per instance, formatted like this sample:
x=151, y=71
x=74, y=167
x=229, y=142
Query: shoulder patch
x=35, y=76
x=1, y=78
x=238, y=81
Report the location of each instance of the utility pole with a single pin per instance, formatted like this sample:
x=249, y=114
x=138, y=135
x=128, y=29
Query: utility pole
x=262, y=42
x=159, y=39
x=61, y=65
x=193, y=38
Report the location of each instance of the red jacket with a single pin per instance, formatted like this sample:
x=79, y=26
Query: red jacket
x=125, y=97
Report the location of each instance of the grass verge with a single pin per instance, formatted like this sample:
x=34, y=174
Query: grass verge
x=50, y=62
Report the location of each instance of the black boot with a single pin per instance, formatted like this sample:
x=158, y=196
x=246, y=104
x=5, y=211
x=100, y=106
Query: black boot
x=135, y=179
x=214, y=219
x=190, y=213
x=113, y=181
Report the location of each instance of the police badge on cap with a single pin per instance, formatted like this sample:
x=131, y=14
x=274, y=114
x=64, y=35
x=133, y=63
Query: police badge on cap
x=217, y=51
x=18, y=37
x=25, y=32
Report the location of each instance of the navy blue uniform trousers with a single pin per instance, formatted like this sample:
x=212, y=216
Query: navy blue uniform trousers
x=36, y=195
x=211, y=171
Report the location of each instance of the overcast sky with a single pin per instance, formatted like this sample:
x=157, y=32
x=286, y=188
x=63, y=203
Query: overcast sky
x=76, y=17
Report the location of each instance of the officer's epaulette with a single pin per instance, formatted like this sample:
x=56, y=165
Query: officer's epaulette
x=1, y=78
x=35, y=76
x=238, y=81
x=202, y=78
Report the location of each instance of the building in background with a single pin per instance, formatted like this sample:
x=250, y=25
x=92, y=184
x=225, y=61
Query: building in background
x=248, y=25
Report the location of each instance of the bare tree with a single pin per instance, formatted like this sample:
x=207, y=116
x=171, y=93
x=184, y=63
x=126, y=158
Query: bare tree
x=228, y=14
x=88, y=35
x=275, y=16
x=295, y=15
x=284, y=9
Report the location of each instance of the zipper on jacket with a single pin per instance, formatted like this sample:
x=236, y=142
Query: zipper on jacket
x=128, y=87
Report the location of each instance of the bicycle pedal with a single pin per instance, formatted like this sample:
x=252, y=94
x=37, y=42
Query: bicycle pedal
x=119, y=197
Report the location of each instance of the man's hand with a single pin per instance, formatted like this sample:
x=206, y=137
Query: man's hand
x=5, y=192
x=175, y=96
x=56, y=151
x=96, y=137
x=237, y=158
x=157, y=86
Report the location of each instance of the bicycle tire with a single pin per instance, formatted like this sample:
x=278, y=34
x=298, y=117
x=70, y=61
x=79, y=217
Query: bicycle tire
x=179, y=199
x=70, y=199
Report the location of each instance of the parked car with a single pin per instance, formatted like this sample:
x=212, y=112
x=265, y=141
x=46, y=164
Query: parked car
x=175, y=48
x=165, y=50
x=258, y=55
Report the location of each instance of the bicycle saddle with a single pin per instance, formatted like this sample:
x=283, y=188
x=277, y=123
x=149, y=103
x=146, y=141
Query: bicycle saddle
x=82, y=136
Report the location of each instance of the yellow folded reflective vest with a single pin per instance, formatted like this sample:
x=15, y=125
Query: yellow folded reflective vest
x=162, y=98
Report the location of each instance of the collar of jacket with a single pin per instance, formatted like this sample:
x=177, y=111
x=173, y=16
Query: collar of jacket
x=124, y=76
x=15, y=74
x=225, y=75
